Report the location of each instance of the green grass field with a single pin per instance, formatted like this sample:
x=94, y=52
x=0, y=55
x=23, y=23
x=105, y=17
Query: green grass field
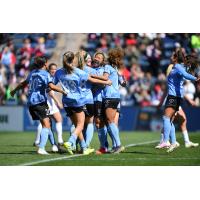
x=16, y=149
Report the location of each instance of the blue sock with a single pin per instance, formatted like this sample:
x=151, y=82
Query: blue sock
x=102, y=134
x=112, y=138
x=166, y=128
x=51, y=137
x=89, y=133
x=83, y=144
x=114, y=131
x=72, y=139
x=173, y=134
x=43, y=137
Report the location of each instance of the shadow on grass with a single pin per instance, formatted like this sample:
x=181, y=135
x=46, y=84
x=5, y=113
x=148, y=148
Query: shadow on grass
x=19, y=153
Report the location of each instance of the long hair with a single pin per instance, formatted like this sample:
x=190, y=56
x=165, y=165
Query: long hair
x=179, y=55
x=115, y=57
x=68, y=58
x=191, y=61
x=80, y=59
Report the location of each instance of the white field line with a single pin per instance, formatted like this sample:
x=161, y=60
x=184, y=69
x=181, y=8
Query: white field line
x=73, y=156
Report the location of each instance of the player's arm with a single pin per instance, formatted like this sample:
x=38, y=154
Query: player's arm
x=122, y=80
x=103, y=78
x=56, y=88
x=21, y=85
x=186, y=75
x=190, y=101
x=53, y=96
x=97, y=81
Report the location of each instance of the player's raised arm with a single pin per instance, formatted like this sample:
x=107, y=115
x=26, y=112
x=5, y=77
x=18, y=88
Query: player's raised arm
x=186, y=75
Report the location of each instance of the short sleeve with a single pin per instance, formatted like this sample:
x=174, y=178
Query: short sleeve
x=107, y=69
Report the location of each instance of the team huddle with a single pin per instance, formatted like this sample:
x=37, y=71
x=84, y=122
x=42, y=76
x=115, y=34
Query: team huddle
x=90, y=96
x=90, y=89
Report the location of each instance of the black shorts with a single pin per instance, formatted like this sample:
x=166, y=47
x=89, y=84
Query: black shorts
x=98, y=109
x=89, y=110
x=39, y=111
x=71, y=110
x=173, y=102
x=111, y=103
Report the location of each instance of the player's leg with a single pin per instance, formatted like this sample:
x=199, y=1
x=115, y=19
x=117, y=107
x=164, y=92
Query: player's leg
x=51, y=137
x=89, y=123
x=167, y=117
x=101, y=128
x=37, y=138
x=110, y=112
x=40, y=112
x=79, y=124
x=58, y=119
x=181, y=117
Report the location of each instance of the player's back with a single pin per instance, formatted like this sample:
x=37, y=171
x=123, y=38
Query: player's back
x=73, y=84
x=38, y=81
x=175, y=81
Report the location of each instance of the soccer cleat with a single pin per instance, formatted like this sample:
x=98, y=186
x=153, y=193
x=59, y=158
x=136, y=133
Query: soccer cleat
x=119, y=149
x=36, y=144
x=177, y=144
x=191, y=144
x=54, y=148
x=88, y=151
x=163, y=145
x=172, y=147
x=68, y=147
x=102, y=150
x=42, y=152
x=61, y=148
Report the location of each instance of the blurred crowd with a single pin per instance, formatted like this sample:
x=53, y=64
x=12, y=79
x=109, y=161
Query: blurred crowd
x=16, y=54
x=147, y=57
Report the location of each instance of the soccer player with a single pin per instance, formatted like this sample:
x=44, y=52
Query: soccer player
x=82, y=57
x=175, y=94
x=111, y=95
x=99, y=60
x=54, y=113
x=180, y=115
x=72, y=80
x=39, y=80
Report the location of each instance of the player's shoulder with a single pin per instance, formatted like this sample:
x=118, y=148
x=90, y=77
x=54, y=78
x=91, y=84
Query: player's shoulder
x=78, y=71
x=59, y=71
x=89, y=69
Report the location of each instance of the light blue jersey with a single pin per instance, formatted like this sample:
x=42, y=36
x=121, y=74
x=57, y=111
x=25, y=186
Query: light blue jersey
x=74, y=84
x=176, y=80
x=38, y=81
x=97, y=89
x=113, y=90
x=87, y=90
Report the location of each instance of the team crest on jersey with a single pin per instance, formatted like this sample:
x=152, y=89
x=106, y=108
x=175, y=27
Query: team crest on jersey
x=171, y=101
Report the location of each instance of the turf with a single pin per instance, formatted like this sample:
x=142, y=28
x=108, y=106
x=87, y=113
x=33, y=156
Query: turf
x=16, y=149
